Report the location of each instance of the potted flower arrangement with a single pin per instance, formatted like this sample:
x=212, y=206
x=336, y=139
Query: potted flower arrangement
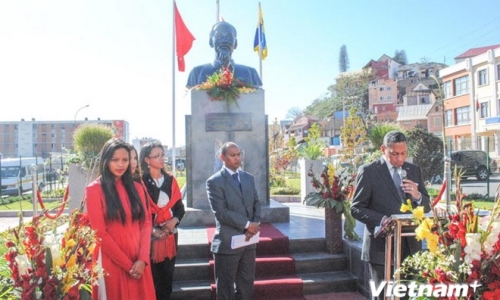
x=222, y=85
x=47, y=264
x=334, y=190
x=463, y=248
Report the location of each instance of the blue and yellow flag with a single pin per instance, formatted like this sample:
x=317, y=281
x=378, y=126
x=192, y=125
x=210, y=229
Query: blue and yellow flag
x=259, y=43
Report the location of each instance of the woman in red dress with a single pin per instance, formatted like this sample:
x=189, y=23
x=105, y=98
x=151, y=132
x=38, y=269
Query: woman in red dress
x=117, y=210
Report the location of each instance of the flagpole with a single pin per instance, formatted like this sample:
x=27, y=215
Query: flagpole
x=173, y=88
x=260, y=45
x=217, y=11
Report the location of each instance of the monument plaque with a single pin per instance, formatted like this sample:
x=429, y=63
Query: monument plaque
x=228, y=122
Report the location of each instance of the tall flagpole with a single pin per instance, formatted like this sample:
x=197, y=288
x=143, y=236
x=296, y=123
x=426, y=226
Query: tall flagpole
x=173, y=88
x=217, y=11
x=260, y=44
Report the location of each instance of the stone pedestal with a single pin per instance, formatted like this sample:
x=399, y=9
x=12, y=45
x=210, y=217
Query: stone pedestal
x=211, y=124
x=305, y=181
x=78, y=180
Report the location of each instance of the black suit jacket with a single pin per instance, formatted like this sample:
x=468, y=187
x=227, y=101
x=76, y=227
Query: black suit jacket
x=375, y=196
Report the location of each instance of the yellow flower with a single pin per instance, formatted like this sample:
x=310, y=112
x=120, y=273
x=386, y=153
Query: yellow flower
x=71, y=261
x=331, y=172
x=423, y=231
x=70, y=243
x=406, y=207
x=418, y=212
x=432, y=243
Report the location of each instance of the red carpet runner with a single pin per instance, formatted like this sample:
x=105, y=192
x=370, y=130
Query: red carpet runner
x=275, y=276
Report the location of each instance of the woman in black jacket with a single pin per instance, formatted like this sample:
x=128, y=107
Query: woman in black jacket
x=167, y=211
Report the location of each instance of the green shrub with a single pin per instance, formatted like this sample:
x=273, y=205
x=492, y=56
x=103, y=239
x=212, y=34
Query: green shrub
x=55, y=193
x=284, y=190
x=276, y=180
x=89, y=140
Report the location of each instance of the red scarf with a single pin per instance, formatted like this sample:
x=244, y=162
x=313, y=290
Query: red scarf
x=164, y=248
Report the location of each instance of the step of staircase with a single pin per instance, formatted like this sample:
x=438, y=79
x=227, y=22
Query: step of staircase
x=320, y=271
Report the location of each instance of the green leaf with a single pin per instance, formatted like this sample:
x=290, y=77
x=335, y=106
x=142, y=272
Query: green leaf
x=48, y=260
x=85, y=292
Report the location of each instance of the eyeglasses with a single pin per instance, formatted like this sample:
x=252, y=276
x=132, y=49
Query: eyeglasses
x=158, y=156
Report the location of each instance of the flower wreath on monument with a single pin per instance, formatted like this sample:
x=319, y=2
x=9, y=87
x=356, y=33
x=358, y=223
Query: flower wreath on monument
x=334, y=190
x=222, y=85
x=49, y=261
x=463, y=248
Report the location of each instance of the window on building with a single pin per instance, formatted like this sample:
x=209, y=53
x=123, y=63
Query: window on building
x=437, y=121
x=388, y=88
x=484, y=111
x=447, y=89
x=436, y=108
x=447, y=120
x=498, y=72
x=389, y=98
x=462, y=115
x=381, y=88
x=461, y=85
x=482, y=77
x=382, y=98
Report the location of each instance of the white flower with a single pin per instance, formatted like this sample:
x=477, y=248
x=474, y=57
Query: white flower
x=52, y=241
x=23, y=264
x=491, y=238
x=473, y=248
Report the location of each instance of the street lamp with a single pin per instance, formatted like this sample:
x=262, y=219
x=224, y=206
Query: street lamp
x=447, y=160
x=79, y=111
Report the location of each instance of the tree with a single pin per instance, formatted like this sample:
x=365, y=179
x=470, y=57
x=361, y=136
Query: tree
x=400, y=57
x=321, y=108
x=427, y=152
x=314, y=146
x=377, y=132
x=294, y=112
x=350, y=90
x=343, y=59
x=275, y=136
x=353, y=135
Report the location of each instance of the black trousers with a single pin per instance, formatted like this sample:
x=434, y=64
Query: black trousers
x=163, y=275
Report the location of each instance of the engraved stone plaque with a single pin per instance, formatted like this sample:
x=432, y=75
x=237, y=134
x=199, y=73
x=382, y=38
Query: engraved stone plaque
x=228, y=122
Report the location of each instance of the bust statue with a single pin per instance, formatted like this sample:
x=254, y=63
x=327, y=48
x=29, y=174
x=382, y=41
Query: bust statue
x=223, y=40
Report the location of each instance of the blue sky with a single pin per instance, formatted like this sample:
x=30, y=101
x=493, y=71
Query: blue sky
x=57, y=56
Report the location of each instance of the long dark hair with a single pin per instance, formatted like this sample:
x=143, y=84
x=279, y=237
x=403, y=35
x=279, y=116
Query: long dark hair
x=114, y=207
x=145, y=152
x=137, y=174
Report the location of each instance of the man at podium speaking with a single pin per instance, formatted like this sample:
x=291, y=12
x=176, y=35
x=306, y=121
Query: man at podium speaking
x=380, y=189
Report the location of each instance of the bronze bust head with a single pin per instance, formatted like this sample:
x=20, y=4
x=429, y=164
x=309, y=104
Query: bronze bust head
x=223, y=40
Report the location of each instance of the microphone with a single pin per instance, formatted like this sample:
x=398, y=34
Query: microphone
x=402, y=173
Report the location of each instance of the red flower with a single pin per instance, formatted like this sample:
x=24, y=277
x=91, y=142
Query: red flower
x=492, y=295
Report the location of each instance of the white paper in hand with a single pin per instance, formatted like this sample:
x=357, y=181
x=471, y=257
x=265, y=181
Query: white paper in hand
x=238, y=241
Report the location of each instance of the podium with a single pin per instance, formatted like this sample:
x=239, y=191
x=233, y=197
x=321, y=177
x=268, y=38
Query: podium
x=398, y=226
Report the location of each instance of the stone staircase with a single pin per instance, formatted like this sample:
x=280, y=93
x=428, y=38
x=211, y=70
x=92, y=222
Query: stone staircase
x=320, y=271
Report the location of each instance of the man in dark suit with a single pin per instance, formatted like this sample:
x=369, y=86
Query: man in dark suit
x=376, y=197
x=233, y=199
